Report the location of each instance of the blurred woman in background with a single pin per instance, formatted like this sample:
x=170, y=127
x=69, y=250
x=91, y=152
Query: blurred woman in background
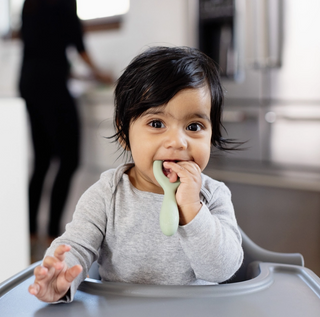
x=48, y=28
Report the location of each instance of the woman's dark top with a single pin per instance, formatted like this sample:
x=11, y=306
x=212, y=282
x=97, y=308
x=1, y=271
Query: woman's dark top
x=48, y=28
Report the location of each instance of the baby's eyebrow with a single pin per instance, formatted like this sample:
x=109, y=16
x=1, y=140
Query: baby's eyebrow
x=198, y=115
x=155, y=110
x=160, y=111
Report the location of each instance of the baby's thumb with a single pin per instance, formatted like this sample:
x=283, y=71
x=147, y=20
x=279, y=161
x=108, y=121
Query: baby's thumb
x=72, y=273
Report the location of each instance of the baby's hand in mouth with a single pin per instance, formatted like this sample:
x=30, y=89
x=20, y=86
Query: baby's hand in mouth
x=167, y=171
x=187, y=194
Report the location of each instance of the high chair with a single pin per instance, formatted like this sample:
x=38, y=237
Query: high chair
x=267, y=284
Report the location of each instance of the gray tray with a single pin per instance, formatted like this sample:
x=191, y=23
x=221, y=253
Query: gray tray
x=273, y=290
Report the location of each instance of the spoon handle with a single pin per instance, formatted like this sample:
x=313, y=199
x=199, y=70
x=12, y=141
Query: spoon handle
x=169, y=214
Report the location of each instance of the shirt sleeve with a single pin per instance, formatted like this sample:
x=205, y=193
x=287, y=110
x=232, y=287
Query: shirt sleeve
x=74, y=27
x=84, y=234
x=212, y=240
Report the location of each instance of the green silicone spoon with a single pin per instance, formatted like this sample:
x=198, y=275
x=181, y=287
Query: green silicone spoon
x=169, y=214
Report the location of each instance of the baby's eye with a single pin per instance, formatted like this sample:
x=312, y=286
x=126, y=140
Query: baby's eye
x=194, y=127
x=156, y=124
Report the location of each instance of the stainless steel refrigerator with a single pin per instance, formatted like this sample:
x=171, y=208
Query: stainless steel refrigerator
x=269, y=55
x=268, y=52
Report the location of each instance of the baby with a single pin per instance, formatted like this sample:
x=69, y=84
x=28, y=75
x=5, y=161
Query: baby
x=168, y=106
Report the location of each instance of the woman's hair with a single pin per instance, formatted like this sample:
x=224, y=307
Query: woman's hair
x=156, y=76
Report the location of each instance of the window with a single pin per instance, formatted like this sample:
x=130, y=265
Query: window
x=95, y=9
x=96, y=14
x=102, y=14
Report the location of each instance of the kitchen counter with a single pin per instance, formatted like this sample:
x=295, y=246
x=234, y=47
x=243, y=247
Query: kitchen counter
x=264, y=173
x=277, y=205
x=96, y=108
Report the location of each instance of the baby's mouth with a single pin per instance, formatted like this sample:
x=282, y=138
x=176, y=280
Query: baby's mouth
x=166, y=171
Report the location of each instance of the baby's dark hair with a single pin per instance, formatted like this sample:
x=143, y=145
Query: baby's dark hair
x=156, y=76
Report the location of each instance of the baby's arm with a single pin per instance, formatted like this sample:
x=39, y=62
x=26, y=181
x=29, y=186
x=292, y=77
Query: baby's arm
x=212, y=241
x=53, y=278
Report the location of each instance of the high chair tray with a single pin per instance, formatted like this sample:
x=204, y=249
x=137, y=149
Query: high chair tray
x=277, y=290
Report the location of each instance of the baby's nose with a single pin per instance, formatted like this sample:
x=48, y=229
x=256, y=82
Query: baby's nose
x=177, y=140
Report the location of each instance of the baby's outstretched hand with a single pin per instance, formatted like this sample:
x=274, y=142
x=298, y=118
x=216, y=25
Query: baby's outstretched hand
x=187, y=195
x=53, y=278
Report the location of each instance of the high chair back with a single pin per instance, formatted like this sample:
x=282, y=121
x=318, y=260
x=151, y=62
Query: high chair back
x=253, y=253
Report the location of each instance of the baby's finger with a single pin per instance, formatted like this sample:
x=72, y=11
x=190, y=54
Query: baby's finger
x=34, y=289
x=176, y=171
x=171, y=173
x=72, y=273
x=60, y=251
x=52, y=262
x=187, y=170
x=40, y=272
x=190, y=166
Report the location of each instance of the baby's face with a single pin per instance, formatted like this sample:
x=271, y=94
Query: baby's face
x=178, y=131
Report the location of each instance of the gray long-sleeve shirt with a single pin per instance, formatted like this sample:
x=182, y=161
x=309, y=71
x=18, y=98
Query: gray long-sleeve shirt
x=119, y=225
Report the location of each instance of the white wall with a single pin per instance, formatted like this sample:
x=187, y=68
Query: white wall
x=10, y=56
x=14, y=231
